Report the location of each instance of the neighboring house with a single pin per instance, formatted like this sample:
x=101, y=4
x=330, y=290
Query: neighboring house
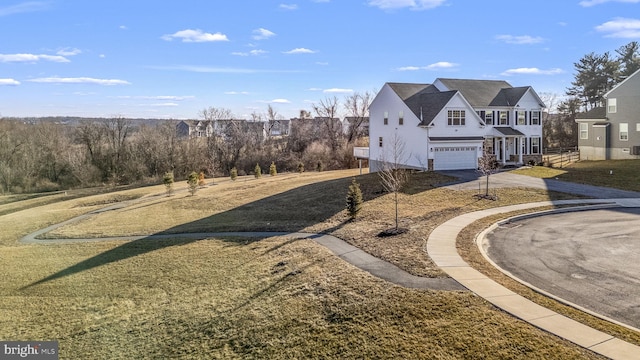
x=613, y=132
x=447, y=124
x=194, y=128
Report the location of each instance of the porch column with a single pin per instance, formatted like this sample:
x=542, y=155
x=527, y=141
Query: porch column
x=520, y=140
x=504, y=151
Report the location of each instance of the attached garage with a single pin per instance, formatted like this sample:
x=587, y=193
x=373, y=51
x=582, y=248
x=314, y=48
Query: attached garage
x=455, y=157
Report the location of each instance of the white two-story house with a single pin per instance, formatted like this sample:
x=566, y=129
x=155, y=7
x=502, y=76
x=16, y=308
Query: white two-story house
x=448, y=124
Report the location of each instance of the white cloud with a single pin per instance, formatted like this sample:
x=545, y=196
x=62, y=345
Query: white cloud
x=69, y=52
x=520, y=40
x=411, y=4
x=80, y=80
x=222, y=70
x=288, y=6
x=255, y=52
x=621, y=28
x=24, y=7
x=440, y=65
x=322, y=63
x=11, y=82
x=262, y=34
x=167, y=104
x=197, y=35
x=300, y=51
x=314, y=89
x=532, y=71
x=337, y=91
x=236, y=93
x=32, y=58
x=589, y=3
x=102, y=56
x=280, y=101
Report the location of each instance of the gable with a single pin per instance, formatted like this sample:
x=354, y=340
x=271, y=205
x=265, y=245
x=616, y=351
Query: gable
x=628, y=87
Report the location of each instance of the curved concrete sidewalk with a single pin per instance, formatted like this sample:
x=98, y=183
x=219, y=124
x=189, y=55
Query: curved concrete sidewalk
x=441, y=247
x=351, y=254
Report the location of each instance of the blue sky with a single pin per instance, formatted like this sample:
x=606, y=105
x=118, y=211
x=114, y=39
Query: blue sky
x=171, y=59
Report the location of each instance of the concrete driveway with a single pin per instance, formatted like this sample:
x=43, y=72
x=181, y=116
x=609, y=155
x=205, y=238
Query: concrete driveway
x=589, y=258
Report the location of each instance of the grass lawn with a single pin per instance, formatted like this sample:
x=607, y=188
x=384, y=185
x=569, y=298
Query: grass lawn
x=253, y=298
x=619, y=174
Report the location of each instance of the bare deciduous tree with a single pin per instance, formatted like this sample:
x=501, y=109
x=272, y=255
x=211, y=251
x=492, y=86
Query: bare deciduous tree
x=357, y=112
x=487, y=165
x=327, y=111
x=392, y=175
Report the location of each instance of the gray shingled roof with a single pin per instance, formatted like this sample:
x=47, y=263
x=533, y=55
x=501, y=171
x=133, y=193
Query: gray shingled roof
x=509, y=97
x=508, y=131
x=479, y=93
x=596, y=113
x=424, y=100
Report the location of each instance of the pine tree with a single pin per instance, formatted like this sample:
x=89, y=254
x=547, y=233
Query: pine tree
x=192, y=181
x=233, y=173
x=300, y=167
x=257, y=171
x=354, y=199
x=167, y=180
x=272, y=169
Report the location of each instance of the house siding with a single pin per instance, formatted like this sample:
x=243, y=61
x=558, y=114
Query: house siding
x=627, y=96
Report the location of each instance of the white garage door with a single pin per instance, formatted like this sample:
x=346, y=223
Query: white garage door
x=455, y=158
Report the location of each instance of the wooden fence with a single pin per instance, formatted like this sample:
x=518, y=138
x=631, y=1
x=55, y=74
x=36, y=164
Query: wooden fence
x=560, y=158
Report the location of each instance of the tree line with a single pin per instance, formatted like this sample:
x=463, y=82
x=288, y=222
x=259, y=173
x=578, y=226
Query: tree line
x=595, y=75
x=47, y=156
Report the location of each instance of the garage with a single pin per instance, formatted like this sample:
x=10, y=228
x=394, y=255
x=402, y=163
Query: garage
x=455, y=158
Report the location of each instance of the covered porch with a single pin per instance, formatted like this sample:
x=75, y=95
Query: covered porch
x=508, y=145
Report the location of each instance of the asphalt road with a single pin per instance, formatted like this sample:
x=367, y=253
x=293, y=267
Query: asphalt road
x=590, y=258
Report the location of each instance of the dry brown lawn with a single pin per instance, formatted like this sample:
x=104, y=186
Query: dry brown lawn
x=252, y=298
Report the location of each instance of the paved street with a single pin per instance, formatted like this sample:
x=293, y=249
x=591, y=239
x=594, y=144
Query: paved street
x=589, y=258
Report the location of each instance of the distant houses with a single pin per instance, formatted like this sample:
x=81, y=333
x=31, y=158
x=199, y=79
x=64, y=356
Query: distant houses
x=313, y=127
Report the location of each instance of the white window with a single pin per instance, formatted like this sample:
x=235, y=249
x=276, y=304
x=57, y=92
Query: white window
x=535, y=145
x=455, y=117
x=535, y=118
x=624, y=131
x=584, y=131
x=488, y=117
x=637, y=126
x=611, y=106
x=522, y=117
x=386, y=118
x=503, y=118
x=401, y=118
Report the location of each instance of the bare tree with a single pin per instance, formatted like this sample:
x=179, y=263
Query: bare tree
x=392, y=175
x=327, y=111
x=357, y=112
x=487, y=165
x=213, y=115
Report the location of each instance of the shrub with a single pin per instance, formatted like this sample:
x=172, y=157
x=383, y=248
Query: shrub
x=354, y=199
x=233, y=173
x=319, y=166
x=201, y=179
x=257, y=172
x=192, y=181
x=167, y=180
x=300, y=167
x=272, y=169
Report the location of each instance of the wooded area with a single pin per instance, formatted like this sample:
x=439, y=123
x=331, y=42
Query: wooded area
x=48, y=156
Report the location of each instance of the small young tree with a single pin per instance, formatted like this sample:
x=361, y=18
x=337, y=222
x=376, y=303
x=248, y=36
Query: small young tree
x=319, y=166
x=487, y=165
x=300, y=167
x=354, y=199
x=257, y=171
x=201, y=179
x=167, y=180
x=192, y=181
x=272, y=169
x=392, y=175
x=233, y=173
